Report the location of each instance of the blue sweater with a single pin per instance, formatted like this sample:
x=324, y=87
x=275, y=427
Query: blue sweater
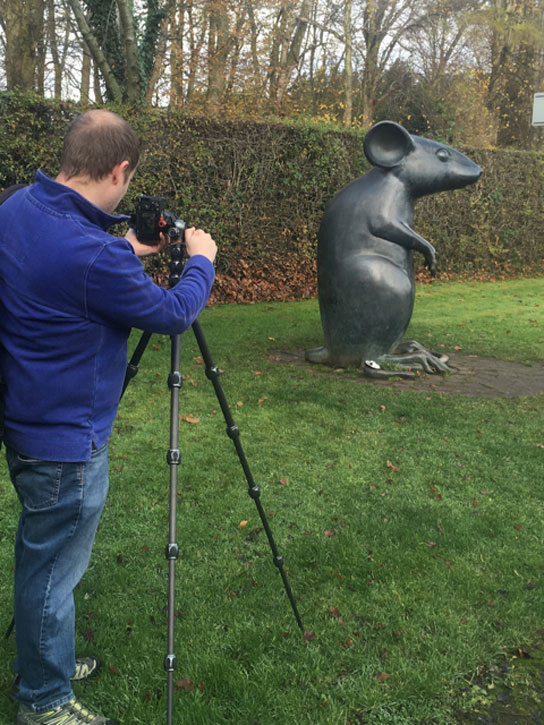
x=69, y=295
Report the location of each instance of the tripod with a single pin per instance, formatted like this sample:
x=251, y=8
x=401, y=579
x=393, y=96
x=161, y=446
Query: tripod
x=175, y=382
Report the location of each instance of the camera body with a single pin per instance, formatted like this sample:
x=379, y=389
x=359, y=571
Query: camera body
x=153, y=218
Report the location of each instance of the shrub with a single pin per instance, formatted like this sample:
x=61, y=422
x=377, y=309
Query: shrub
x=261, y=189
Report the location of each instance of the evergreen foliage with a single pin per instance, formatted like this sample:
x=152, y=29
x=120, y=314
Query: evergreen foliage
x=261, y=189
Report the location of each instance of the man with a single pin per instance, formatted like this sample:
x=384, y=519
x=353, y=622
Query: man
x=69, y=295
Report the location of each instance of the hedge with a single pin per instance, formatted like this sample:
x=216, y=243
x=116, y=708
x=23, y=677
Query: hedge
x=261, y=188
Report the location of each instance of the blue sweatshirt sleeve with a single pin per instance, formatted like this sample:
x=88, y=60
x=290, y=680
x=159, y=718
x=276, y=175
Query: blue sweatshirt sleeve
x=117, y=292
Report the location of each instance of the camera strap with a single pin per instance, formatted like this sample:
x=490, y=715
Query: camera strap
x=3, y=196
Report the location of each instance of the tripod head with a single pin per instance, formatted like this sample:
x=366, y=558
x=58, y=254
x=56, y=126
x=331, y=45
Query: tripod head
x=152, y=218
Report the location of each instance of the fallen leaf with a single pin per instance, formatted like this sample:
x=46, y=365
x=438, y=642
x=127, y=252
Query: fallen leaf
x=253, y=534
x=191, y=419
x=382, y=676
x=242, y=524
x=284, y=481
x=184, y=685
x=308, y=636
x=329, y=532
x=392, y=466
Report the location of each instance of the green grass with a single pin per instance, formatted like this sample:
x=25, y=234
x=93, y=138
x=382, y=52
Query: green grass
x=409, y=580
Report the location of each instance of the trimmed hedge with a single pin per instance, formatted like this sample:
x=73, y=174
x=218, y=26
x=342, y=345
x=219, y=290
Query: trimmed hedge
x=261, y=188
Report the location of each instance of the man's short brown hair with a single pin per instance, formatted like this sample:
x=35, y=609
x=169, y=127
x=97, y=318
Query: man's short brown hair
x=96, y=142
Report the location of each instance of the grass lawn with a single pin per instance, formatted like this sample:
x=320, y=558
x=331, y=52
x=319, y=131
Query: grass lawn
x=411, y=524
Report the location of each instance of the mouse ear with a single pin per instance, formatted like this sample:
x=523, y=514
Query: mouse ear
x=386, y=144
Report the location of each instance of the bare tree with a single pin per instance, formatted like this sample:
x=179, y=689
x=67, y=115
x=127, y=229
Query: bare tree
x=285, y=55
x=348, y=70
x=23, y=24
x=96, y=51
x=133, y=90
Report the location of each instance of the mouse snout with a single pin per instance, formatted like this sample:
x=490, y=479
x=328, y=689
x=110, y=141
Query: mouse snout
x=467, y=172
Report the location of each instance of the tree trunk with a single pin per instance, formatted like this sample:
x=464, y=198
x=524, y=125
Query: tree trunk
x=54, y=47
x=255, y=65
x=348, y=70
x=177, y=24
x=85, y=88
x=236, y=44
x=160, y=54
x=196, y=42
x=23, y=27
x=39, y=37
x=128, y=34
x=290, y=52
x=96, y=52
x=218, y=51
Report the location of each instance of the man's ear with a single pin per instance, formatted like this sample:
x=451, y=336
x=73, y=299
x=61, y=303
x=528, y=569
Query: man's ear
x=118, y=173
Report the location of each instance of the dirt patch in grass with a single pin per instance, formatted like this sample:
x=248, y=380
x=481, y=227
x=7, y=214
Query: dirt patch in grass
x=516, y=694
x=475, y=376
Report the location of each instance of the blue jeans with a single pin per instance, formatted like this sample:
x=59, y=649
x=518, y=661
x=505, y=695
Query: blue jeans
x=62, y=504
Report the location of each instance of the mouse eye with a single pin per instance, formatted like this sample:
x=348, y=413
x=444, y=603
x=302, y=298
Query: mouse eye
x=443, y=154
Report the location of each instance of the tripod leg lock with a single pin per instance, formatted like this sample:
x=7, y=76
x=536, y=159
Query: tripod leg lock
x=233, y=431
x=175, y=380
x=278, y=561
x=132, y=371
x=170, y=663
x=173, y=457
x=254, y=491
x=172, y=551
x=212, y=372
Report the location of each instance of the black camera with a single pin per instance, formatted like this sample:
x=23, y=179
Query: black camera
x=153, y=218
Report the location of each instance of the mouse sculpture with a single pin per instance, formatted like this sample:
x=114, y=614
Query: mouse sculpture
x=365, y=252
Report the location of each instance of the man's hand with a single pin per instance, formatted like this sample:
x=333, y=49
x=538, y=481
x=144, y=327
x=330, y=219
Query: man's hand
x=198, y=241
x=141, y=250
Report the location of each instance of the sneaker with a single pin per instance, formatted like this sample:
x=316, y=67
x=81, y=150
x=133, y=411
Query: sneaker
x=73, y=713
x=86, y=668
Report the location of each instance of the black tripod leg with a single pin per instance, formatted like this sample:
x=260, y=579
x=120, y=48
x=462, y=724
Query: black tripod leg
x=175, y=381
x=233, y=432
x=132, y=367
x=10, y=628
